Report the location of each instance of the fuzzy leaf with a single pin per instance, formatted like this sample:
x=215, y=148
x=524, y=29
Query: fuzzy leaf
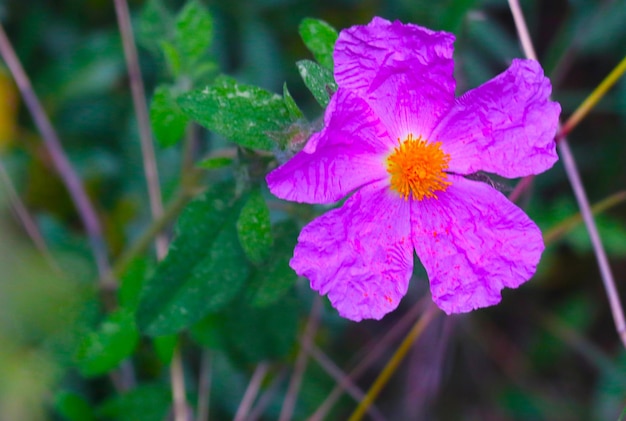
x=253, y=228
x=318, y=79
x=104, y=349
x=320, y=38
x=203, y=270
x=193, y=33
x=244, y=114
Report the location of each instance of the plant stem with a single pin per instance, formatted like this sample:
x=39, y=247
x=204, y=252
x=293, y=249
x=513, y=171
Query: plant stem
x=301, y=361
x=251, y=391
x=62, y=164
x=152, y=179
x=574, y=177
x=204, y=386
x=394, y=362
x=594, y=97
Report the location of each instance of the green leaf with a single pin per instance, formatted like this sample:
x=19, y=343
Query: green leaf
x=165, y=346
x=318, y=79
x=131, y=282
x=172, y=57
x=273, y=279
x=254, y=229
x=155, y=23
x=167, y=120
x=145, y=403
x=204, y=269
x=320, y=38
x=215, y=163
x=73, y=407
x=193, y=33
x=244, y=114
x=292, y=108
x=104, y=349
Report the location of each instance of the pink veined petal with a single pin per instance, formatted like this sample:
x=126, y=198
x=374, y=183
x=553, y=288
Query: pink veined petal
x=360, y=255
x=404, y=71
x=473, y=242
x=505, y=126
x=348, y=153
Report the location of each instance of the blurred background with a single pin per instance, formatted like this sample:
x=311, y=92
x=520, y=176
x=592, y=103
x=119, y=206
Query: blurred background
x=548, y=352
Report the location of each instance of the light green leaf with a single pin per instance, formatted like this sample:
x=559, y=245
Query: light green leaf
x=318, y=79
x=254, y=229
x=167, y=120
x=203, y=270
x=194, y=32
x=292, y=108
x=104, y=349
x=144, y=403
x=73, y=407
x=215, y=163
x=165, y=346
x=172, y=57
x=155, y=23
x=244, y=114
x=320, y=38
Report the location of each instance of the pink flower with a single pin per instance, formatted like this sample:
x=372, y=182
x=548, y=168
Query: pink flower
x=398, y=142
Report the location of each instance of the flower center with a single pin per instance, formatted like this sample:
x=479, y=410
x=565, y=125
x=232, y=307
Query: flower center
x=417, y=167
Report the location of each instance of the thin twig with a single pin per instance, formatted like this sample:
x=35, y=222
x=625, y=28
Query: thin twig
x=152, y=178
x=301, y=361
x=27, y=220
x=394, y=362
x=371, y=354
x=340, y=377
x=204, y=386
x=594, y=97
x=62, y=164
x=579, y=191
x=143, y=121
x=266, y=397
x=603, y=262
x=251, y=391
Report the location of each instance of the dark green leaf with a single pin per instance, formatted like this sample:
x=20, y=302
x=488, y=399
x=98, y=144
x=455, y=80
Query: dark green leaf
x=273, y=279
x=145, y=403
x=257, y=334
x=194, y=31
x=73, y=407
x=203, y=270
x=319, y=37
x=167, y=120
x=104, y=349
x=318, y=79
x=292, y=108
x=253, y=228
x=246, y=115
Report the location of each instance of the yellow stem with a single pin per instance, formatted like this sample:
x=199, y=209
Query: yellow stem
x=394, y=362
x=593, y=98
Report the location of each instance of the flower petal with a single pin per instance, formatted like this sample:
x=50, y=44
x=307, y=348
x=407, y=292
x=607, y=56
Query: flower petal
x=473, y=242
x=505, y=126
x=360, y=254
x=348, y=153
x=404, y=71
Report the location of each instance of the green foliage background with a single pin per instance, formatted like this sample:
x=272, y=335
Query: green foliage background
x=235, y=86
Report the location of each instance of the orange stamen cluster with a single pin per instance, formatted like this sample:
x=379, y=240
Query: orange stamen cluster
x=417, y=168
